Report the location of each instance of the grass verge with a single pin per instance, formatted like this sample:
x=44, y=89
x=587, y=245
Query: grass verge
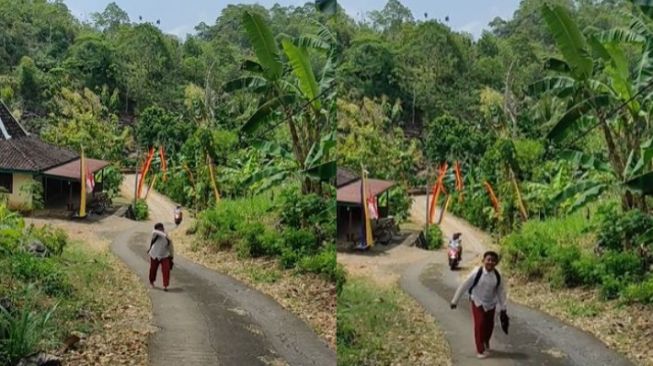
x=382, y=326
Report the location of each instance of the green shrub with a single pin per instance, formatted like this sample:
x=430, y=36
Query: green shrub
x=301, y=241
x=112, y=180
x=610, y=287
x=257, y=240
x=587, y=269
x=623, y=265
x=308, y=211
x=323, y=263
x=289, y=258
x=21, y=332
x=565, y=273
x=222, y=226
x=434, y=237
x=44, y=271
x=532, y=249
x=639, y=292
x=400, y=202
x=55, y=239
x=141, y=210
x=617, y=230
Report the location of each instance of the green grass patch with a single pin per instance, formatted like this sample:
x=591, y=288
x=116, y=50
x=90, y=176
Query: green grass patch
x=580, y=309
x=365, y=314
x=383, y=326
x=561, y=251
x=260, y=275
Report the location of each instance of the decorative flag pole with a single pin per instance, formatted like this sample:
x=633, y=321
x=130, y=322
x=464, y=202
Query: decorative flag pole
x=367, y=241
x=164, y=164
x=493, y=197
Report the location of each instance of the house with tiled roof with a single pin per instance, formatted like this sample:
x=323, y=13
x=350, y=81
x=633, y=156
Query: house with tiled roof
x=26, y=160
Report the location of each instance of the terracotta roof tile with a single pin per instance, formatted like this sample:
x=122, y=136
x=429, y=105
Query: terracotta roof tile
x=32, y=154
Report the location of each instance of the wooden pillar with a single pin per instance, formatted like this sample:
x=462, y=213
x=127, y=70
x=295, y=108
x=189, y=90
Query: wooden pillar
x=387, y=203
x=70, y=196
x=351, y=224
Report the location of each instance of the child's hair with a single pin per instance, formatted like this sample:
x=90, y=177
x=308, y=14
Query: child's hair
x=158, y=226
x=456, y=236
x=491, y=253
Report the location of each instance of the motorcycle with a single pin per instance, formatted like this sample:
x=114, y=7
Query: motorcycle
x=454, y=257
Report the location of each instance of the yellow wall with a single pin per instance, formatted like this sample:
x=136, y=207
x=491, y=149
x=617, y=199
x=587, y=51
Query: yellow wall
x=19, y=199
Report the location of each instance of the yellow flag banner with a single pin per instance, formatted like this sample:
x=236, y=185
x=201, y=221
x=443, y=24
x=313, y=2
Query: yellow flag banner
x=367, y=224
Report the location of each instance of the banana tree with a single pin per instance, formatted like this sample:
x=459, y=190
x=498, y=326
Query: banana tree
x=594, y=78
x=290, y=90
x=280, y=167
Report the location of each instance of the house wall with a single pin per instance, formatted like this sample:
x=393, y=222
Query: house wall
x=19, y=199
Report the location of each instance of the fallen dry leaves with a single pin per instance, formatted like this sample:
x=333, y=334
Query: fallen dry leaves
x=308, y=296
x=124, y=325
x=627, y=329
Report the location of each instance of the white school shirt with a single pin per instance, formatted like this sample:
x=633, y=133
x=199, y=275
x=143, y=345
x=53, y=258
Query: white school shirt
x=485, y=293
x=162, y=247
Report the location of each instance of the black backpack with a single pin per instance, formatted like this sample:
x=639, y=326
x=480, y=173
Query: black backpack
x=478, y=278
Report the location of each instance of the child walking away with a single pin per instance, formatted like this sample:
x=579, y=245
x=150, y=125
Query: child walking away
x=178, y=216
x=160, y=252
x=487, y=292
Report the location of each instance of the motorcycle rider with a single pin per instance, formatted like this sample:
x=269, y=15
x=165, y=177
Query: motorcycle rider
x=178, y=215
x=456, y=243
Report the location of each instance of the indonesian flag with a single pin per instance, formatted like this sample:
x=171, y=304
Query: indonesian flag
x=90, y=180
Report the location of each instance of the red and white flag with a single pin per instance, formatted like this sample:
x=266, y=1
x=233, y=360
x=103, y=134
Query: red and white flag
x=90, y=180
x=373, y=207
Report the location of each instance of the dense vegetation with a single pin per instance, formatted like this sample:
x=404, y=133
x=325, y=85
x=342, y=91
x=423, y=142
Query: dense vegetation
x=44, y=293
x=549, y=110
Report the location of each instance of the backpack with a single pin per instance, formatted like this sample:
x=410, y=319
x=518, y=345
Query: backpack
x=478, y=278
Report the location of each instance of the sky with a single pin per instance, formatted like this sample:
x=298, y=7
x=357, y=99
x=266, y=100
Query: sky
x=180, y=17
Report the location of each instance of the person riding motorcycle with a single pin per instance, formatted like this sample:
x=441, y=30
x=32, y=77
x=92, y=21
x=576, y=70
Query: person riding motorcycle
x=178, y=215
x=456, y=243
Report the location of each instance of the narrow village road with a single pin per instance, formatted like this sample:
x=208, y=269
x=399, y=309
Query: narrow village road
x=535, y=338
x=207, y=318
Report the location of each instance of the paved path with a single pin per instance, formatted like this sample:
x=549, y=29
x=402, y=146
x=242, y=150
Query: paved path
x=207, y=318
x=535, y=338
